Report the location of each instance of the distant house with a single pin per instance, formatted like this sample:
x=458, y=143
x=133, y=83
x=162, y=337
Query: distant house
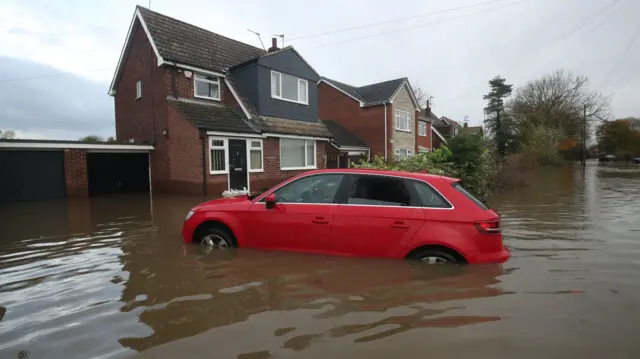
x=448, y=127
x=475, y=130
x=384, y=115
x=635, y=124
x=221, y=114
x=436, y=137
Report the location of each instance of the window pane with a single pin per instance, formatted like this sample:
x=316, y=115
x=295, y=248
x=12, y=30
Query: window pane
x=256, y=144
x=214, y=91
x=429, y=197
x=217, y=143
x=302, y=90
x=291, y=153
x=203, y=89
x=379, y=191
x=289, y=87
x=275, y=84
x=313, y=189
x=469, y=195
x=217, y=160
x=311, y=153
x=256, y=159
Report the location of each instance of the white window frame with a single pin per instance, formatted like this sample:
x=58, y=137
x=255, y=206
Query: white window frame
x=409, y=153
x=205, y=80
x=249, y=149
x=279, y=97
x=139, y=89
x=307, y=166
x=422, y=128
x=225, y=147
x=409, y=119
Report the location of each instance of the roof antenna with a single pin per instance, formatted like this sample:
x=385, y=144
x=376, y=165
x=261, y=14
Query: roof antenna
x=258, y=35
x=149, y=4
x=280, y=36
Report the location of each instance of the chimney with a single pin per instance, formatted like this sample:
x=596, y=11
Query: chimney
x=274, y=45
x=427, y=109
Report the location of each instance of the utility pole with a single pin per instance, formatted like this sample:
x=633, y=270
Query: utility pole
x=583, y=159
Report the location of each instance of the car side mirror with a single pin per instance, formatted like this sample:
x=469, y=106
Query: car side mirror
x=270, y=201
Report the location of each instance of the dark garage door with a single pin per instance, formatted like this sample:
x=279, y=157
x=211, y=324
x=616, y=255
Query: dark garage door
x=31, y=175
x=110, y=173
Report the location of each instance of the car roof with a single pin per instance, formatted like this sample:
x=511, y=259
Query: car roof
x=416, y=175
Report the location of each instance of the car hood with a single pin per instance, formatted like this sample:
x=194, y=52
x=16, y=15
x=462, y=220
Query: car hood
x=224, y=203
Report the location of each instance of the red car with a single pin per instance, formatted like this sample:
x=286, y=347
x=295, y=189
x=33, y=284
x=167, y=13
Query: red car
x=356, y=212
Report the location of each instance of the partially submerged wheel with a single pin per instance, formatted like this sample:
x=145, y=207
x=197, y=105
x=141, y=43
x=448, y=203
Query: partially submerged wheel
x=430, y=256
x=217, y=238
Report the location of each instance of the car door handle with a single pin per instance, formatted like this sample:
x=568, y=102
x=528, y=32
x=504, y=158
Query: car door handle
x=399, y=225
x=320, y=220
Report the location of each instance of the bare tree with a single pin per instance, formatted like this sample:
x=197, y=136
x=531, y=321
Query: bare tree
x=7, y=135
x=420, y=95
x=558, y=100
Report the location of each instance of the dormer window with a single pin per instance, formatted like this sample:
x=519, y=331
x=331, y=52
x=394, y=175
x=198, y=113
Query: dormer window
x=206, y=87
x=289, y=88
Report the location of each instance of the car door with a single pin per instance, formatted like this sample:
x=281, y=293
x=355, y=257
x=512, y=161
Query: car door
x=379, y=214
x=302, y=217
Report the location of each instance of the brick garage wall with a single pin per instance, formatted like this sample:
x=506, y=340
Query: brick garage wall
x=366, y=123
x=272, y=174
x=75, y=173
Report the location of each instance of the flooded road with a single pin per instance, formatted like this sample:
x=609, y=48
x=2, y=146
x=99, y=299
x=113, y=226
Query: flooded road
x=111, y=278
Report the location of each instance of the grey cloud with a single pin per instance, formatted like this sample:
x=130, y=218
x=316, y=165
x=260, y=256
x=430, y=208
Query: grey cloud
x=59, y=104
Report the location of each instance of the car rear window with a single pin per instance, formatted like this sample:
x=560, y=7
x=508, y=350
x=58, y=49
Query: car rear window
x=469, y=195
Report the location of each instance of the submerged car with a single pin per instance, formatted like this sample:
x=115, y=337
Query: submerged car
x=356, y=212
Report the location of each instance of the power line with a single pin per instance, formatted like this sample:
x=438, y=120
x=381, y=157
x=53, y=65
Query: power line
x=558, y=39
x=51, y=75
x=420, y=25
x=624, y=53
x=396, y=20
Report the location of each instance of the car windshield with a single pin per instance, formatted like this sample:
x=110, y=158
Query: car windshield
x=469, y=195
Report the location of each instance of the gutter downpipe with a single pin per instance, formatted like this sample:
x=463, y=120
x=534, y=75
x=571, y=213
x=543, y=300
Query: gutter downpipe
x=386, y=144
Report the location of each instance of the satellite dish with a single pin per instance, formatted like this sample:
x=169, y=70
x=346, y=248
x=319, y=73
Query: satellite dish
x=187, y=74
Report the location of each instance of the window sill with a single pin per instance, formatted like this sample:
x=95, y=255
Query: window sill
x=407, y=131
x=287, y=100
x=139, y=97
x=298, y=168
x=422, y=135
x=206, y=98
x=256, y=171
x=213, y=173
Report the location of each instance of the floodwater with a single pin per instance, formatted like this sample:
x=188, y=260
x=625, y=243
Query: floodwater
x=111, y=278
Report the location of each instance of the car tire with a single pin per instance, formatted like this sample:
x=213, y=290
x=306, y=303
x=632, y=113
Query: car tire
x=432, y=256
x=215, y=237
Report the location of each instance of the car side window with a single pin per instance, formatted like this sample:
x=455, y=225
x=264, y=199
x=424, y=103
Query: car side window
x=379, y=191
x=312, y=189
x=429, y=197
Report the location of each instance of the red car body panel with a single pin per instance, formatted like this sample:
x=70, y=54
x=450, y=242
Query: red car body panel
x=357, y=230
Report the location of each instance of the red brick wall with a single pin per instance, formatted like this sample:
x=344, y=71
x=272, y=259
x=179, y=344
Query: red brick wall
x=423, y=141
x=273, y=174
x=366, y=123
x=75, y=176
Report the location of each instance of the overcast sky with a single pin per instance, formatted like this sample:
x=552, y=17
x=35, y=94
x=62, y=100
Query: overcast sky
x=452, y=55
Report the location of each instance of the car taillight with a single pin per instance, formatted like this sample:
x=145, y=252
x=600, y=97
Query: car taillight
x=488, y=227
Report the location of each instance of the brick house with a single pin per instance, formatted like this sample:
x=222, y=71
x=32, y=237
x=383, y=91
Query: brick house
x=437, y=138
x=221, y=114
x=383, y=116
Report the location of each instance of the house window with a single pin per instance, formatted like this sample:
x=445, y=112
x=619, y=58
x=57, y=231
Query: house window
x=403, y=121
x=289, y=88
x=218, y=149
x=206, y=87
x=138, y=89
x=255, y=156
x=402, y=153
x=297, y=154
x=422, y=128
x=455, y=131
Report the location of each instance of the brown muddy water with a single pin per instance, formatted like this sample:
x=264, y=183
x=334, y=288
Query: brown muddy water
x=111, y=278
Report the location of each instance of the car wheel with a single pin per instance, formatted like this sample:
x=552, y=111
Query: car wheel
x=434, y=257
x=215, y=238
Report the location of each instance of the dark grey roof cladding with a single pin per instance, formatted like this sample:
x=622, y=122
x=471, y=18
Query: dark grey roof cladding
x=371, y=94
x=342, y=136
x=188, y=44
x=213, y=117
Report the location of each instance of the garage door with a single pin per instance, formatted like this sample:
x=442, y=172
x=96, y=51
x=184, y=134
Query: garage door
x=111, y=173
x=31, y=175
